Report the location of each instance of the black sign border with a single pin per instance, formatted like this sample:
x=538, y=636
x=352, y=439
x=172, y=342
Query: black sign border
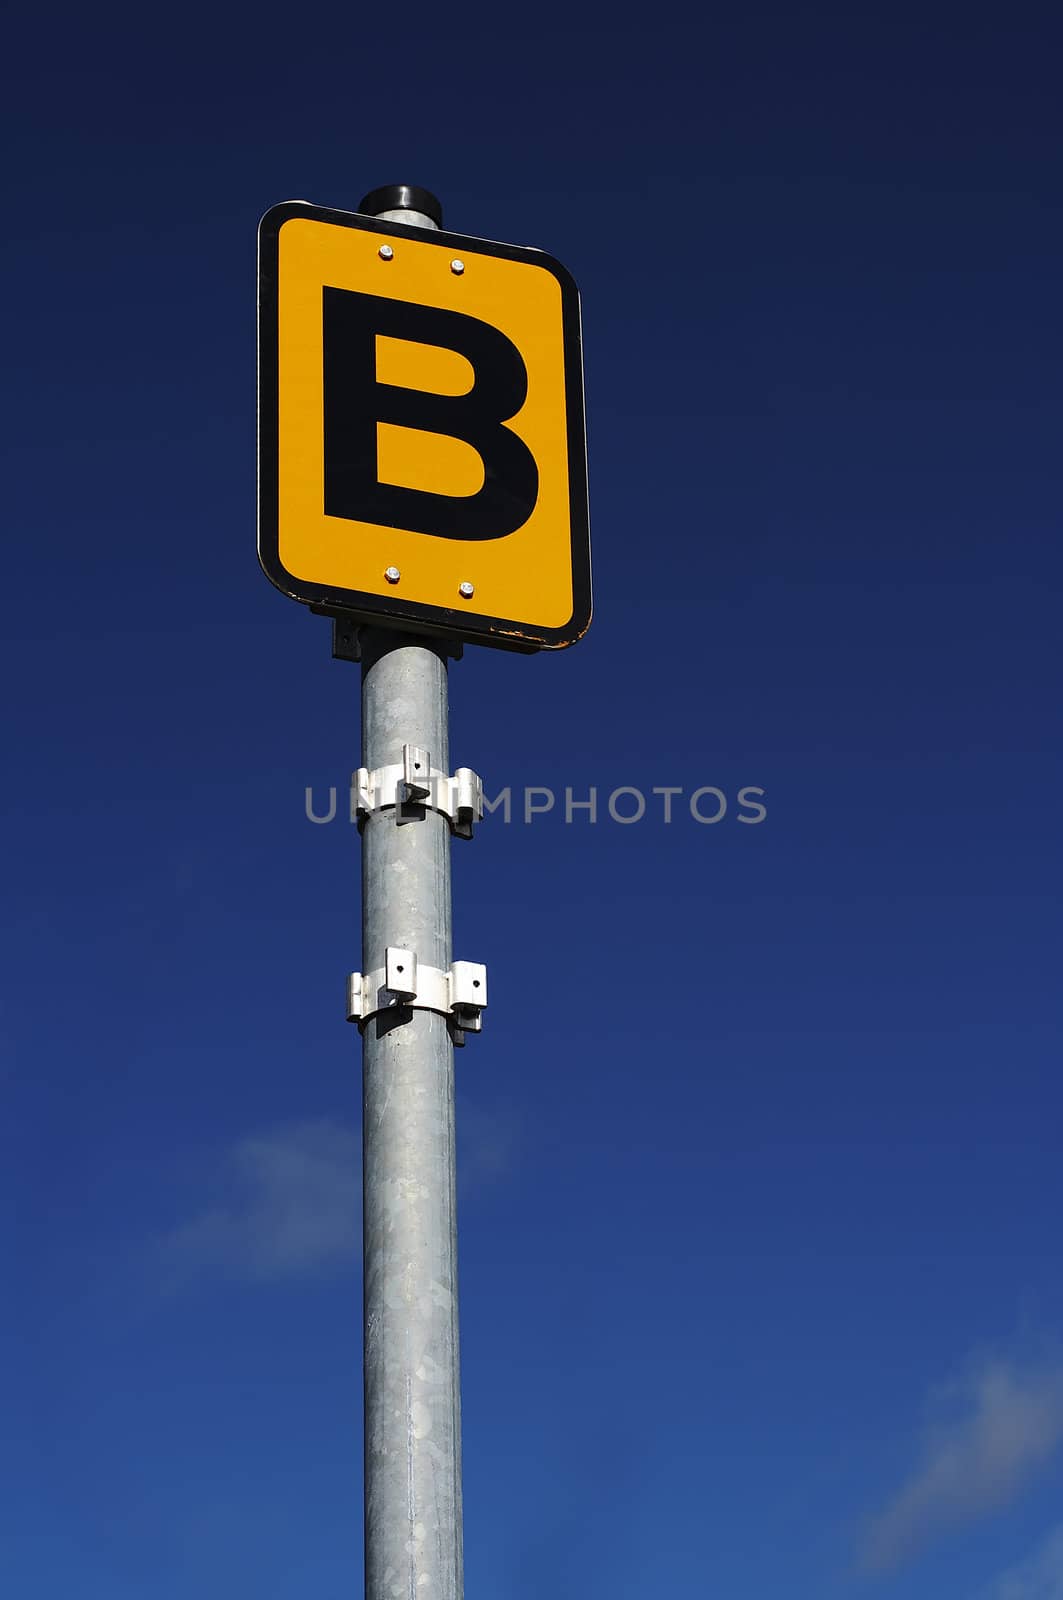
x=392, y=610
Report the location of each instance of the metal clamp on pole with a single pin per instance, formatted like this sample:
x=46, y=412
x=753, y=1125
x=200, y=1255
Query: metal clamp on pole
x=414, y=781
x=404, y=982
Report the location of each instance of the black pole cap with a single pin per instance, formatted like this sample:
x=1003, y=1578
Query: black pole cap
x=401, y=197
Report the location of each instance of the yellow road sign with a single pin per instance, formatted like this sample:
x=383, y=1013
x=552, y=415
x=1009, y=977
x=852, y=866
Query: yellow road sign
x=422, y=456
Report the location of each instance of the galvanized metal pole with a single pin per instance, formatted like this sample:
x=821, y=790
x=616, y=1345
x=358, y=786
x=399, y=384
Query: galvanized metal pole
x=413, y=1514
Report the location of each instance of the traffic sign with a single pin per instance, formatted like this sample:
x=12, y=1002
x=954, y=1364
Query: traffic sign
x=422, y=457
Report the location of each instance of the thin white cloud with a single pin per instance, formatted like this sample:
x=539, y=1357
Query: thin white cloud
x=1008, y=1423
x=288, y=1201
x=292, y=1205
x=1039, y=1578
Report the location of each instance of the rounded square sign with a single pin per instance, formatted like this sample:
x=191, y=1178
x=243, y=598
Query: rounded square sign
x=422, y=455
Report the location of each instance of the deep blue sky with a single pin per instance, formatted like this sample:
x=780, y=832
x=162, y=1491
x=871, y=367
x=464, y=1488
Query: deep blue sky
x=760, y=1236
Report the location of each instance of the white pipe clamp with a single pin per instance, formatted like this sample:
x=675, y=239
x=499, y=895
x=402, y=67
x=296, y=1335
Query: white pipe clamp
x=414, y=781
x=405, y=982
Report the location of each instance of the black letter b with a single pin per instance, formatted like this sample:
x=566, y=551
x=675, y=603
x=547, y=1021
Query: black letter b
x=355, y=402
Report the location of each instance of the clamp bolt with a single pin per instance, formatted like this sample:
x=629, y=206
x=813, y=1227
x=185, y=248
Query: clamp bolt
x=392, y=574
x=385, y=252
x=466, y=591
